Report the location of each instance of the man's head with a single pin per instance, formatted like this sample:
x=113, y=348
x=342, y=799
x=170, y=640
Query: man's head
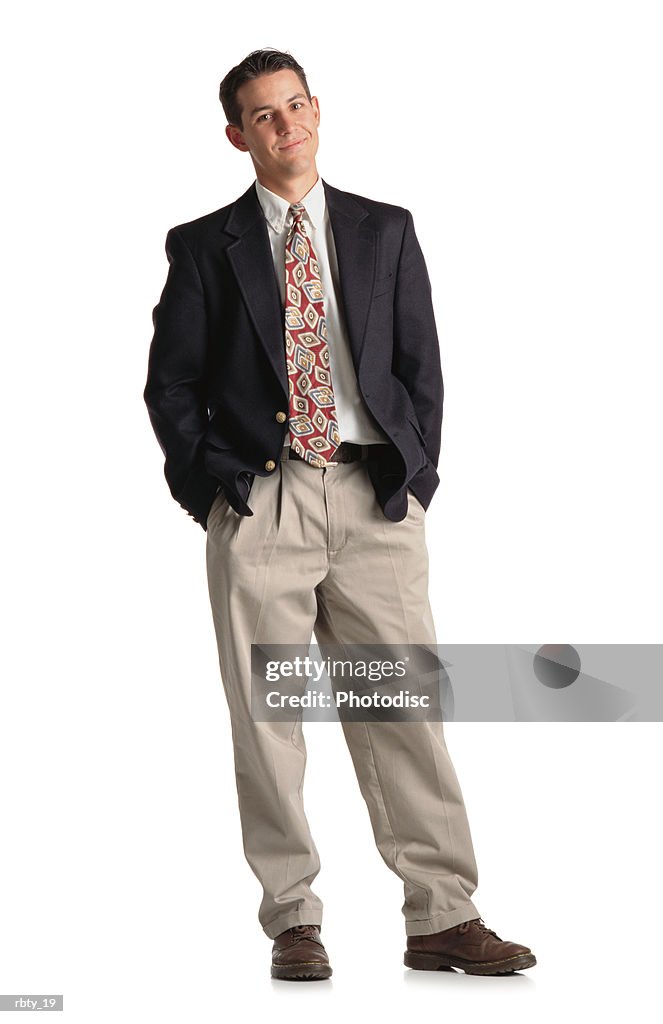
x=272, y=116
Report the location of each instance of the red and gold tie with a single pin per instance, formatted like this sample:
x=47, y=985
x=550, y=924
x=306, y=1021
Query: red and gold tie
x=312, y=424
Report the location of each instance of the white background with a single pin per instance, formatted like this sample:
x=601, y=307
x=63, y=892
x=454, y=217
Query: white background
x=525, y=139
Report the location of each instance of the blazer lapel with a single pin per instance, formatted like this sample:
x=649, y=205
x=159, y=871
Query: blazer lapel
x=250, y=256
x=355, y=244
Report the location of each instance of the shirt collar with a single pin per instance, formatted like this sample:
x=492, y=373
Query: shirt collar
x=275, y=208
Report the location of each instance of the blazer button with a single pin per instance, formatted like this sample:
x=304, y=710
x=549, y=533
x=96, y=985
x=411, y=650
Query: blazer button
x=270, y=464
x=281, y=417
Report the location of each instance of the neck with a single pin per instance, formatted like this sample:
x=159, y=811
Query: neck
x=292, y=189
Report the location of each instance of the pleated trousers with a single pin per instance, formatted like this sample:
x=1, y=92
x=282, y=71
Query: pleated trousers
x=319, y=557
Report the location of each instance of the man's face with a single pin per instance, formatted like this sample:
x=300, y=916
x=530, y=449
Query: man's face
x=279, y=126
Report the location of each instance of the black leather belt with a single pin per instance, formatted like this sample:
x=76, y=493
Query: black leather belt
x=347, y=451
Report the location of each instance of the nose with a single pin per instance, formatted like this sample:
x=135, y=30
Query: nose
x=286, y=121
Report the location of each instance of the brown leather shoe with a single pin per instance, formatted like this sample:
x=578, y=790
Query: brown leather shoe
x=471, y=947
x=298, y=955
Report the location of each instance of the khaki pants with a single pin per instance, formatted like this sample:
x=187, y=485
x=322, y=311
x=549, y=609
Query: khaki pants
x=318, y=555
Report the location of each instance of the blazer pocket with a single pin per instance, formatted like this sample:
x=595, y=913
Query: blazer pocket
x=218, y=443
x=417, y=429
x=383, y=285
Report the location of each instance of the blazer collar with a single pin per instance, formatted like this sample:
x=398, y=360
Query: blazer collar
x=277, y=209
x=246, y=211
x=250, y=256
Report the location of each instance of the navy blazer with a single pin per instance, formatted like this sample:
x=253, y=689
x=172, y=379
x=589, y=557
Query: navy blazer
x=217, y=372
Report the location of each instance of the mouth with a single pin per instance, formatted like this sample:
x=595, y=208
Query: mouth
x=293, y=145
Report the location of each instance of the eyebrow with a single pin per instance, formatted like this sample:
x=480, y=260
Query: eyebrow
x=297, y=96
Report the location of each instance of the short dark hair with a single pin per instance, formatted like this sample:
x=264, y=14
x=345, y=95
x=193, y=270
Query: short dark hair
x=258, y=62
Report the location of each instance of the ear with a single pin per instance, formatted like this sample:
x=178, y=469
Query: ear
x=236, y=137
x=316, y=108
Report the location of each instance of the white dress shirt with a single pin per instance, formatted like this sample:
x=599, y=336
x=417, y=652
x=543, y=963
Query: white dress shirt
x=355, y=422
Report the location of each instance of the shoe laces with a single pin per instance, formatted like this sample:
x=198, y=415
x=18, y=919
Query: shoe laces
x=480, y=924
x=304, y=930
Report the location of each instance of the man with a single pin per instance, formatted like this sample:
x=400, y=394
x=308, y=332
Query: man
x=294, y=385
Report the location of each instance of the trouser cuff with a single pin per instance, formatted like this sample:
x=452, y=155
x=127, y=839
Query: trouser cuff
x=438, y=923
x=281, y=924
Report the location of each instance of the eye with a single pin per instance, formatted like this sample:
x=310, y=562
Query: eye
x=298, y=104
x=263, y=115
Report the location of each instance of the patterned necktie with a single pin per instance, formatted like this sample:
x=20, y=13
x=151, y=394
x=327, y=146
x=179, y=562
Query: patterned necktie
x=312, y=424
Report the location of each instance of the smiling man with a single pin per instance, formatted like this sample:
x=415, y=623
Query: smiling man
x=294, y=385
x=286, y=152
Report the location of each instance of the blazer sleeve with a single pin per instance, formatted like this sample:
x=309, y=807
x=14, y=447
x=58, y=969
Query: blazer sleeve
x=416, y=356
x=175, y=393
